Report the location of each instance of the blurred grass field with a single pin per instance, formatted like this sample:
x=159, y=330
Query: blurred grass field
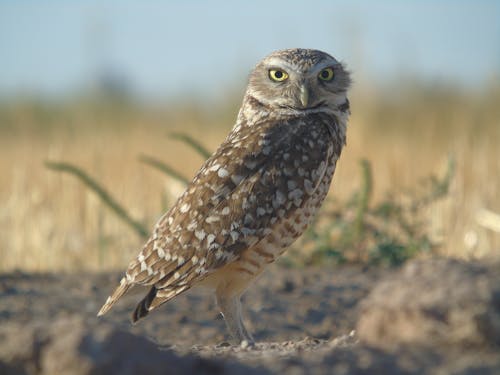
x=50, y=221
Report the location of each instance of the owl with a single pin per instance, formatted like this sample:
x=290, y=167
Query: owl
x=256, y=194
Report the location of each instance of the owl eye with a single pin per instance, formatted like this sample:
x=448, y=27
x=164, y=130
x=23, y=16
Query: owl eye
x=326, y=74
x=278, y=75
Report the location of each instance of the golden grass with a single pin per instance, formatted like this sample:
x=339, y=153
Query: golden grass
x=49, y=221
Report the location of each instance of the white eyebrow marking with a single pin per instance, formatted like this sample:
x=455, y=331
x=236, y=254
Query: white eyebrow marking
x=276, y=62
x=322, y=65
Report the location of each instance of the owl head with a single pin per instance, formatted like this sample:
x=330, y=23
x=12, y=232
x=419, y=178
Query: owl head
x=299, y=80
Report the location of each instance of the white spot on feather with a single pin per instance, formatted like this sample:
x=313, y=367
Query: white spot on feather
x=214, y=167
x=250, y=164
x=200, y=234
x=222, y=173
x=210, y=239
x=291, y=184
x=247, y=231
x=234, y=235
x=161, y=252
x=308, y=186
x=295, y=194
x=280, y=197
x=248, y=219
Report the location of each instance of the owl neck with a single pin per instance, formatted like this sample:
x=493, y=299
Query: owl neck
x=254, y=111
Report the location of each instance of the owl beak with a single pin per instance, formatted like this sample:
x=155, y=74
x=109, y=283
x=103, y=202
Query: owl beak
x=304, y=96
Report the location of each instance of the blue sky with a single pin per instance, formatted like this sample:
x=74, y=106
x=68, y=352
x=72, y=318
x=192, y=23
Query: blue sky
x=177, y=47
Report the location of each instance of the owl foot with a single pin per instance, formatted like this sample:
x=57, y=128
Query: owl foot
x=230, y=308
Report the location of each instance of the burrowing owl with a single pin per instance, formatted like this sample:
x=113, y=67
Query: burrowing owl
x=256, y=194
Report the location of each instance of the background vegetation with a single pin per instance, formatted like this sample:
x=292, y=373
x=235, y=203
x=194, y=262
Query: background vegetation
x=421, y=166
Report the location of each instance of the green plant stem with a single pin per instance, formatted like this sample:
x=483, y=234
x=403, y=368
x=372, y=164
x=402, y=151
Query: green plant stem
x=364, y=197
x=161, y=166
x=195, y=145
x=105, y=197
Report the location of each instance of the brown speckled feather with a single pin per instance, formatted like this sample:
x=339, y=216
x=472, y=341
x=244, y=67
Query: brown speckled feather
x=233, y=201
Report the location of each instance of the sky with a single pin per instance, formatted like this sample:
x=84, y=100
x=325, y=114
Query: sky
x=169, y=48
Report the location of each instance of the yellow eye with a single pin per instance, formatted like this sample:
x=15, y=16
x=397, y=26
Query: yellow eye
x=278, y=75
x=326, y=74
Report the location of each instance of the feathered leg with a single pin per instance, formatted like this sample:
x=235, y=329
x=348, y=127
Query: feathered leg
x=230, y=307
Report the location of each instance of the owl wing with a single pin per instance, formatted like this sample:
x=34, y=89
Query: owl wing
x=258, y=176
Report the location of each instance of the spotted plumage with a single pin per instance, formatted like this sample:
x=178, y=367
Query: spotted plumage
x=256, y=194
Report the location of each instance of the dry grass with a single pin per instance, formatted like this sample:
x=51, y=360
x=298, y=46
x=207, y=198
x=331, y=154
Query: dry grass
x=50, y=221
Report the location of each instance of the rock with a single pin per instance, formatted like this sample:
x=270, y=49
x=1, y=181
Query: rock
x=434, y=302
x=20, y=348
x=71, y=346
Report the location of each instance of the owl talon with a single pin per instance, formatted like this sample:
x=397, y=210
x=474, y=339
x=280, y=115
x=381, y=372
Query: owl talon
x=247, y=344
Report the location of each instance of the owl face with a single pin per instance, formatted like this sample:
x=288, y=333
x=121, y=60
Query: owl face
x=299, y=80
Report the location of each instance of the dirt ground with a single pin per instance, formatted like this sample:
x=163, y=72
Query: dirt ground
x=436, y=317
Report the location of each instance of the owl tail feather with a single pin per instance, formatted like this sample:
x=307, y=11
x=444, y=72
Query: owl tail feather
x=119, y=292
x=143, y=308
x=156, y=297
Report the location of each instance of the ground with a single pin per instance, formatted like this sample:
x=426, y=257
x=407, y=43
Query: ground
x=304, y=320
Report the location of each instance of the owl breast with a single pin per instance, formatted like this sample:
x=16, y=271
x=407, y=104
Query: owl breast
x=307, y=174
x=286, y=231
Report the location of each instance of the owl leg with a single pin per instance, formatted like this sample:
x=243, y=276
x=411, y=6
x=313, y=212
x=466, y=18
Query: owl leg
x=230, y=307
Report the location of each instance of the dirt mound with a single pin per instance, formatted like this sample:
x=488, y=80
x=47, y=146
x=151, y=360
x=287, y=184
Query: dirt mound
x=430, y=317
x=70, y=346
x=434, y=302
